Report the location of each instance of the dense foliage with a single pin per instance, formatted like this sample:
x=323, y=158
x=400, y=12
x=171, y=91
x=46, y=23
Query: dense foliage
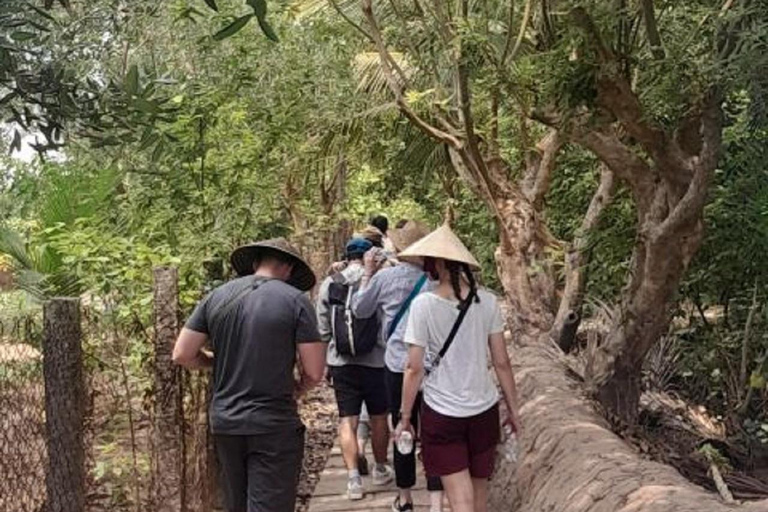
x=182, y=132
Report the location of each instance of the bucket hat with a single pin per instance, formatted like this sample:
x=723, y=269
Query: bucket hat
x=441, y=244
x=243, y=257
x=405, y=236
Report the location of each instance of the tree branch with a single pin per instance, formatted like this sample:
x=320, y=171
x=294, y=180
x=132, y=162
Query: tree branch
x=689, y=208
x=625, y=163
x=386, y=64
x=652, y=29
x=523, y=26
x=349, y=20
x=541, y=177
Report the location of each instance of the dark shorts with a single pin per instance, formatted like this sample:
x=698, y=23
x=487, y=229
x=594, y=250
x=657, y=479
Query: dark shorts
x=260, y=472
x=354, y=385
x=451, y=445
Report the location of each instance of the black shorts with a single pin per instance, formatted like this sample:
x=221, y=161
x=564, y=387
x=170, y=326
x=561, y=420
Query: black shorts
x=354, y=385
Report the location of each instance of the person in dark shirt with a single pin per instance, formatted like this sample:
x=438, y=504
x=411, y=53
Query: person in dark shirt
x=257, y=325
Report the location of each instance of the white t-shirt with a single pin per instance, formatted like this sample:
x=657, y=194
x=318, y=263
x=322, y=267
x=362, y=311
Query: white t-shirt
x=462, y=384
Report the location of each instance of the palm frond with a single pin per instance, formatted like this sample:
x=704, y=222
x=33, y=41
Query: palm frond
x=370, y=76
x=13, y=245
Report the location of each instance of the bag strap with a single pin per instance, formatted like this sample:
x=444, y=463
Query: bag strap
x=399, y=316
x=222, y=310
x=454, y=330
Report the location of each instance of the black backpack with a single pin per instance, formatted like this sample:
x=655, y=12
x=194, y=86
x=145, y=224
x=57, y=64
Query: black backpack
x=353, y=336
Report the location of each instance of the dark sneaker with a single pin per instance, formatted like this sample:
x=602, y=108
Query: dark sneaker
x=397, y=507
x=362, y=465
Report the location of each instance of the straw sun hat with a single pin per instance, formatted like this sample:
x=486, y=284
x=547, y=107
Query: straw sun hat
x=243, y=257
x=440, y=244
x=407, y=235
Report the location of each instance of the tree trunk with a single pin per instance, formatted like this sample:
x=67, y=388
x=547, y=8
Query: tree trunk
x=168, y=482
x=662, y=254
x=570, y=459
x=576, y=259
x=64, y=406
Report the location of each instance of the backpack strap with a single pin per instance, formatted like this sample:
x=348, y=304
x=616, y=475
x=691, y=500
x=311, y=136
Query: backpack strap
x=454, y=330
x=224, y=309
x=407, y=304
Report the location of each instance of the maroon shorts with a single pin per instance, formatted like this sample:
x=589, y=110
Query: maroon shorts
x=451, y=445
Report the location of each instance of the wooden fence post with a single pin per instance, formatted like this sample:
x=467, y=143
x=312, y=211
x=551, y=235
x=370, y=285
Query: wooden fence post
x=64, y=405
x=168, y=482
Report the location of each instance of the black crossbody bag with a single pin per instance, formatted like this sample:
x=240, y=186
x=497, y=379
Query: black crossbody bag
x=455, y=329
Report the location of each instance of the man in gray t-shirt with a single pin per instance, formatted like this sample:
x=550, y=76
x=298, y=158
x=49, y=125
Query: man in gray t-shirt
x=257, y=324
x=357, y=379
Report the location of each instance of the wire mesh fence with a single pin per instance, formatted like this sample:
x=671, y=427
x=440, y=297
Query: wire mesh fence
x=79, y=422
x=23, y=450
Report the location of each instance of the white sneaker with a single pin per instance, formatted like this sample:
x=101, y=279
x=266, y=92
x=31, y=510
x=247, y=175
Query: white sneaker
x=355, y=489
x=383, y=476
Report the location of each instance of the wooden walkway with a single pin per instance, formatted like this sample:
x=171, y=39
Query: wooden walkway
x=331, y=492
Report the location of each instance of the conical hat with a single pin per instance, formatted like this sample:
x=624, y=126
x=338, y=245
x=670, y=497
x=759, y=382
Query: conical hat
x=441, y=244
x=243, y=257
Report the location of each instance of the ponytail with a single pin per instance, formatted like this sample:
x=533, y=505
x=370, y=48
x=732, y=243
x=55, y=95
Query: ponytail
x=455, y=269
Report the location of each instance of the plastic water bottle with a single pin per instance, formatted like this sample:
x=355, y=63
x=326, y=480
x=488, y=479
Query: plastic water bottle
x=509, y=448
x=405, y=442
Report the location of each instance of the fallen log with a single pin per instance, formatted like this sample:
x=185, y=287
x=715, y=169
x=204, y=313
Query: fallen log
x=571, y=461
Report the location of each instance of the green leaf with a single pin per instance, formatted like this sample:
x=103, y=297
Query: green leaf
x=267, y=29
x=132, y=80
x=158, y=152
x=259, y=7
x=40, y=11
x=21, y=35
x=757, y=381
x=233, y=28
x=260, y=10
x=146, y=106
x=212, y=5
x=16, y=144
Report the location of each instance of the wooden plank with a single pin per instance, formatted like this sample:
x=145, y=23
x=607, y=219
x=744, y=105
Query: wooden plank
x=377, y=501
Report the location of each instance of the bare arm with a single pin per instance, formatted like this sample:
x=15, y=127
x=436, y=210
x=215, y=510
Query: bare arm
x=414, y=373
x=366, y=301
x=311, y=364
x=503, y=368
x=189, y=352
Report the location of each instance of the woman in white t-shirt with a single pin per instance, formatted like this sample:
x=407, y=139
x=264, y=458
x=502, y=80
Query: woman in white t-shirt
x=460, y=414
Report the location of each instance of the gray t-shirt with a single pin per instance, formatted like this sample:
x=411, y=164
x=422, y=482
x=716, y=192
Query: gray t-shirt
x=373, y=359
x=462, y=385
x=254, y=346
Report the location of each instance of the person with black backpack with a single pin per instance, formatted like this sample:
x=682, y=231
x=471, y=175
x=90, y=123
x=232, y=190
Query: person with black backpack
x=356, y=367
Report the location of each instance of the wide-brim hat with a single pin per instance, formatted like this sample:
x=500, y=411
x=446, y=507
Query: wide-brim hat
x=407, y=235
x=440, y=244
x=373, y=234
x=243, y=257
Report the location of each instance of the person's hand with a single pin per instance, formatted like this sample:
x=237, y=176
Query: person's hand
x=371, y=263
x=403, y=426
x=513, y=421
x=338, y=266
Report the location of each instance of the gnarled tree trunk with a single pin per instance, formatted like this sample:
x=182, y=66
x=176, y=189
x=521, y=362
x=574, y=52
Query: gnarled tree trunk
x=572, y=462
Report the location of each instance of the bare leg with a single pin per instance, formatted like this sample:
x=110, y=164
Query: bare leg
x=348, y=439
x=480, y=488
x=460, y=492
x=379, y=437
